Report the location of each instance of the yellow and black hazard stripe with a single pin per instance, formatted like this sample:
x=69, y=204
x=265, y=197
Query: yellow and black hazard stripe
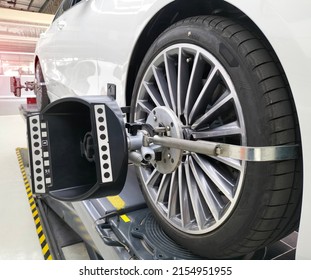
x=35, y=214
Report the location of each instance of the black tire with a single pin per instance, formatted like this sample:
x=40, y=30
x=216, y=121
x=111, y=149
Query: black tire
x=267, y=206
x=40, y=88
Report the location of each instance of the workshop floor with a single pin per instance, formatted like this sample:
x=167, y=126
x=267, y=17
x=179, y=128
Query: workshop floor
x=18, y=236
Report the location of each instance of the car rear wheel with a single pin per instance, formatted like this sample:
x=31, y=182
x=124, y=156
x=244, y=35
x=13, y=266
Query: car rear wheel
x=222, y=85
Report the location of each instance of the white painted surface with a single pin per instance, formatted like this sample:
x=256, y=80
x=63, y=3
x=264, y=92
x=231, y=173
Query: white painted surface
x=18, y=237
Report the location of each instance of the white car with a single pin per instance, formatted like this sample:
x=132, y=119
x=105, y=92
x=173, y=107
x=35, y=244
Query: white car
x=232, y=71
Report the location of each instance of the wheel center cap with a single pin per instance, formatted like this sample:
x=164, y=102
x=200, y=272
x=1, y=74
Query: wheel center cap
x=164, y=117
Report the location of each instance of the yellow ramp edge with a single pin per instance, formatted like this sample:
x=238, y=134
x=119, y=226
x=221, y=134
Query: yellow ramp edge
x=118, y=203
x=42, y=239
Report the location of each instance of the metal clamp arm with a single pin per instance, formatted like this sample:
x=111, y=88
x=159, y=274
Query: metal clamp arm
x=268, y=153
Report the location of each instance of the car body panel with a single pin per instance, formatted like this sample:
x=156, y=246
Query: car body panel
x=85, y=65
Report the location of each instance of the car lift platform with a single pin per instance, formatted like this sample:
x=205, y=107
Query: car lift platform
x=121, y=226
x=105, y=230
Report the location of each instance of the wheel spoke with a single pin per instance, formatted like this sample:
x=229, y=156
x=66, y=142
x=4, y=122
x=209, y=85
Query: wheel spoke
x=211, y=196
x=152, y=178
x=223, y=183
x=201, y=102
x=195, y=84
x=162, y=85
x=182, y=81
x=154, y=94
x=184, y=199
x=204, y=119
x=145, y=106
x=173, y=199
x=171, y=80
x=196, y=202
x=232, y=128
x=141, y=120
x=234, y=163
x=163, y=190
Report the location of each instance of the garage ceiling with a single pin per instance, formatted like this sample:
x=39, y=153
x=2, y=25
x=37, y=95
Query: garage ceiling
x=39, y=6
x=21, y=23
x=20, y=30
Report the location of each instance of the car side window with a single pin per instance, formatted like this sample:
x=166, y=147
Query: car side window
x=64, y=6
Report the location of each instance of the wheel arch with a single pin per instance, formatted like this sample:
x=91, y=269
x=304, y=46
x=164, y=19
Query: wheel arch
x=174, y=12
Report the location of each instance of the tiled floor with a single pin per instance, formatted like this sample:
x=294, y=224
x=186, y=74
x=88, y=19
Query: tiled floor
x=284, y=249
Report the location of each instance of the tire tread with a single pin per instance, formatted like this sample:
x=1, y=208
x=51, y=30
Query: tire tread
x=272, y=225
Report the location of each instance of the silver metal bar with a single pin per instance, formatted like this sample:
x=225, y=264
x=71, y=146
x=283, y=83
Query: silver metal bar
x=268, y=153
x=201, y=147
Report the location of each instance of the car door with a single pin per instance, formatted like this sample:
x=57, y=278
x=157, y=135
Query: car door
x=74, y=51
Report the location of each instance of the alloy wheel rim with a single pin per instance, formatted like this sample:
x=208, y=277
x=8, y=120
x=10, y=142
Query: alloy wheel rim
x=201, y=194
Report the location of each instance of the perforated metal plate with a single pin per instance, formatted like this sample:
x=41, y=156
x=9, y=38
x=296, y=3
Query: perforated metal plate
x=103, y=143
x=39, y=152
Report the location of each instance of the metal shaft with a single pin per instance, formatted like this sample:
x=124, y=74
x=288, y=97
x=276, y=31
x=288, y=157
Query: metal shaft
x=268, y=153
